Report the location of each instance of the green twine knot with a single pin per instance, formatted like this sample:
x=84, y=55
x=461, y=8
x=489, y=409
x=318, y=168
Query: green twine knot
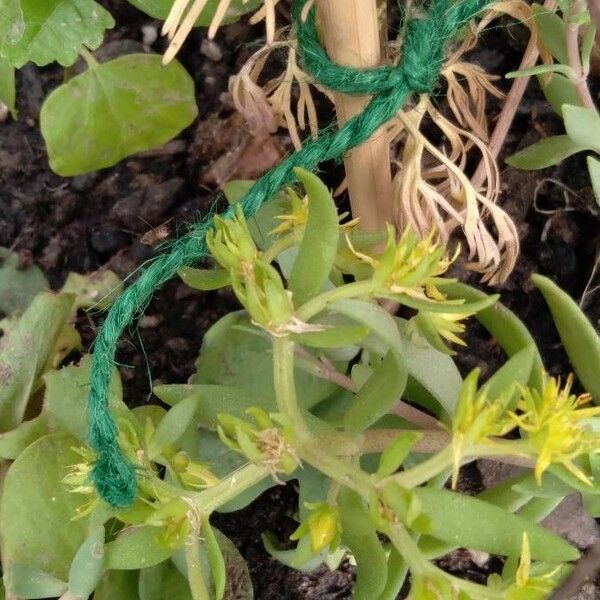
x=422, y=58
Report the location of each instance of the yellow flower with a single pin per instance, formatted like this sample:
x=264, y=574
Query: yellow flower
x=323, y=527
x=555, y=427
x=437, y=327
x=296, y=217
x=193, y=474
x=78, y=480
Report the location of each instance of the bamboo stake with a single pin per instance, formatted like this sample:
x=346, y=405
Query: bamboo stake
x=351, y=35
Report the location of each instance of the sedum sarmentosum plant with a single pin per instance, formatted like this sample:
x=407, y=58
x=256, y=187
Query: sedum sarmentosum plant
x=566, y=38
x=315, y=381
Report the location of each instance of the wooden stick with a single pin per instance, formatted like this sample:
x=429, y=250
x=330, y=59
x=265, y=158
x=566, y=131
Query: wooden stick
x=351, y=35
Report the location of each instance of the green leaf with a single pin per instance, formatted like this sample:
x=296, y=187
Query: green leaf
x=539, y=70
x=587, y=45
x=393, y=456
x=215, y=558
x=24, y=581
x=469, y=522
x=576, y=333
x=551, y=29
x=87, y=566
x=7, y=86
x=319, y=244
x=49, y=31
x=37, y=509
x=163, y=582
x=387, y=383
x=173, y=426
x=18, y=286
x=559, y=90
x=360, y=536
x=13, y=442
x=238, y=357
x=236, y=189
x=582, y=125
x=97, y=290
x=514, y=373
x=333, y=336
x=67, y=392
x=205, y=280
x=26, y=350
x=594, y=170
x=545, y=153
x=115, y=109
x=136, y=548
x=159, y=9
x=118, y=585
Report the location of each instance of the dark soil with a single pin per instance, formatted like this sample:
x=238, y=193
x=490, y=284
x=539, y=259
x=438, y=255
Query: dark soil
x=102, y=220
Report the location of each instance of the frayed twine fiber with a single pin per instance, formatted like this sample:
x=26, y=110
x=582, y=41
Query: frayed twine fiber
x=114, y=475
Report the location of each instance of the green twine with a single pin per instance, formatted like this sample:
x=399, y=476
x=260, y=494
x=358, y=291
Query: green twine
x=114, y=475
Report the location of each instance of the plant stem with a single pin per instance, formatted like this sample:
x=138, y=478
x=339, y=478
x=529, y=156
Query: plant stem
x=313, y=307
x=92, y=63
x=351, y=35
x=194, y=569
x=579, y=79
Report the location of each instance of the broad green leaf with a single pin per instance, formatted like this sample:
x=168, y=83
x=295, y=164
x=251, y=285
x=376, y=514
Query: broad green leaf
x=538, y=508
x=26, y=582
x=18, y=286
x=173, y=426
x=205, y=279
x=594, y=170
x=37, y=509
x=232, y=356
x=582, y=125
x=67, y=392
x=159, y=9
x=163, y=582
x=576, y=333
x=50, y=31
x=25, y=352
x=87, y=566
x=13, y=442
x=469, y=522
x=136, y=548
x=213, y=400
x=118, y=585
x=514, y=373
x=7, y=86
x=508, y=330
x=545, y=153
x=551, y=29
x=319, y=244
x=97, y=290
x=215, y=558
x=360, y=536
x=559, y=90
x=115, y=109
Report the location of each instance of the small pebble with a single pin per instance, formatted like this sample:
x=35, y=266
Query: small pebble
x=211, y=50
x=3, y=112
x=149, y=34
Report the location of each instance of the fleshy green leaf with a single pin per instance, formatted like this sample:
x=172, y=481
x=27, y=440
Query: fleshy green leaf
x=205, y=279
x=26, y=350
x=594, y=170
x=118, y=585
x=87, y=566
x=7, y=86
x=18, y=286
x=539, y=70
x=551, y=29
x=173, y=426
x=12, y=443
x=319, y=244
x=49, y=31
x=97, y=290
x=576, y=333
x=333, y=336
x=582, y=125
x=545, y=153
x=136, y=548
x=360, y=536
x=27, y=582
x=393, y=456
x=163, y=582
x=115, y=109
x=37, y=509
x=559, y=90
x=159, y=9
x=215, y=558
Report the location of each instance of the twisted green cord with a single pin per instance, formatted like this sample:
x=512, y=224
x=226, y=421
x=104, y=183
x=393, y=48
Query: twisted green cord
x=114, y=475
